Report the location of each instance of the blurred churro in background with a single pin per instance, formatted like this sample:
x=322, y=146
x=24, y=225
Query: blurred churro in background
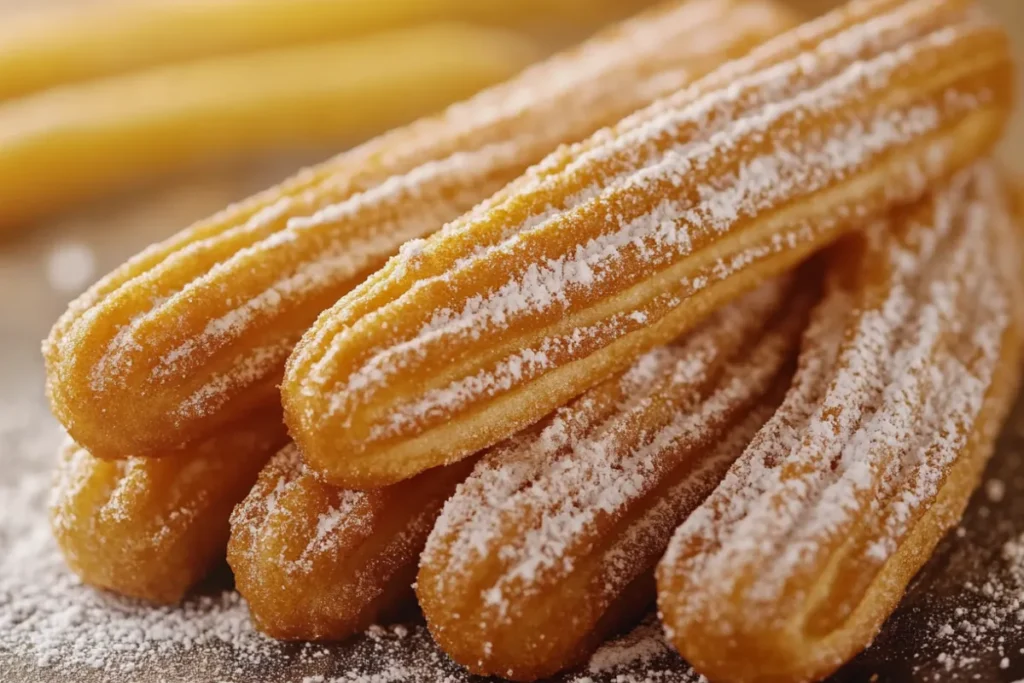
x=77, y=142
x=53, y=45
x=98, y=96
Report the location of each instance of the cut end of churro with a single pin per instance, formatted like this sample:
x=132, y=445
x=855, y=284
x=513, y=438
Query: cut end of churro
x=151, y=528
x=906, y=371
x=620, y=243
x=315, y=562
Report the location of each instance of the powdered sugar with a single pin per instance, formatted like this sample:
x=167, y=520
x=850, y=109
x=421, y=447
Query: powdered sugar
x=600, y=486
x=527, y=363
x=53, y=628
x=869, y=444
x=678, y=181
x=260, y=362
x=301, y=251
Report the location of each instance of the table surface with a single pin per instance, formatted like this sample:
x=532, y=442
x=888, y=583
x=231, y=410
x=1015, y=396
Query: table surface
x=943, y=630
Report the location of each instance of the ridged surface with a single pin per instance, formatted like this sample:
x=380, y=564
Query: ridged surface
x=549, y=547
x=618, y=244
x=194, y=332
x=905, y=374
x=150, y=528
x=319, y=563
x=127, y=129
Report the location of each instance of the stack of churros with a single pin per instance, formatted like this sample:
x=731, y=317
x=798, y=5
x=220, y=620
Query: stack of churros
x=188, y=340
x=549, y=546
x=742, y=352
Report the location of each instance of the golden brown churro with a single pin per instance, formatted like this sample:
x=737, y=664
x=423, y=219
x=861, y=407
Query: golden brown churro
x=550, y=545
x=193, y=333
x=319, y=563
x=905, y=374
x=619, y=244
x=152, y=527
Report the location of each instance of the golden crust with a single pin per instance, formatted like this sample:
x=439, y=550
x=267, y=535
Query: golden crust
x=622, y=242
x=150, y=528
x=550, y=544
x=905, y=374
x=319, y=563
x=193, y=333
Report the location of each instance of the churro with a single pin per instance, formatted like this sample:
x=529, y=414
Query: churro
x=906, y=371
x=193, y=333
x=549, y=547
x=621, y=243
x=150, y=528
x=319, y=563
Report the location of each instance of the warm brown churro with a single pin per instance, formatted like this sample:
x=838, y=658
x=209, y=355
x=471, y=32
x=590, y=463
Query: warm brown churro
x=193, y=333
x=619, y=244
x=905, y=374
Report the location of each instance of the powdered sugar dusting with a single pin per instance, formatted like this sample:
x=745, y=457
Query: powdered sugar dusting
x=994, y=623
x=253, y=367
x=305, y=249
x=682, y=180
x=53, y=628
x=673, y=423
x=878, y=416
x=48, y=619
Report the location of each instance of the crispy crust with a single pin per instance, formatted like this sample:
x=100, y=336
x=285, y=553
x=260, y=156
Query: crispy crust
x=319, y=563
x=906, y=373
x=549, y=546
x=619, y=244
x=193, y=333
x=150, y=528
